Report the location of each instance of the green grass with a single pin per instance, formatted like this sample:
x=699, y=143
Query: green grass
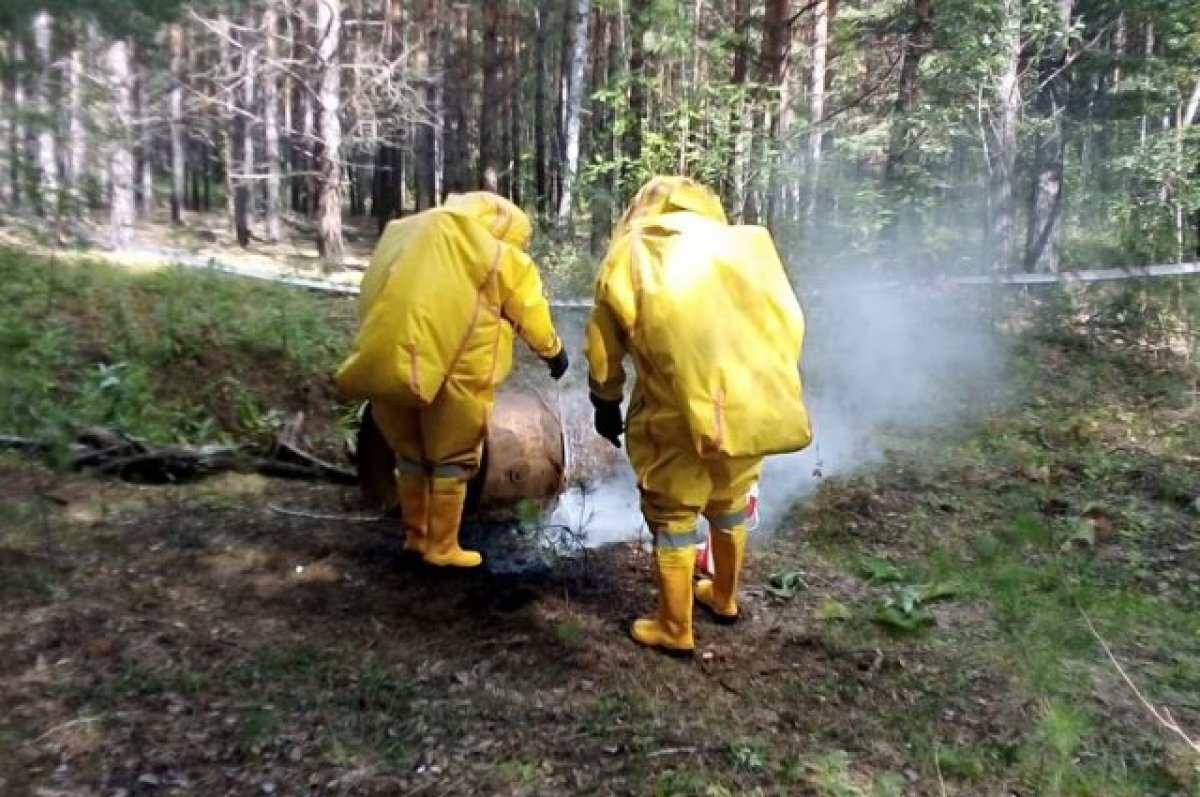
x=1076, y=503
x=925, y=620
x=168, y=355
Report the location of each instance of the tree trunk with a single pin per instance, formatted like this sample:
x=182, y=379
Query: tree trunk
x=539, y=110
x=631, y=144
x=490, y=100
x=917, y=41
x=329, y=224
x=122, y=213
x=776, y=44
x=601, y=138
x=144, y=148
x=16, y=142
x=270, y=88
x=816, y=108
x=1004, y=149
x=574, y=105
x=424, y=149
x=46, y=161
x=740, y=114
x=513, y=70
x=7, y=119
x=178, y=158
x=1050, y=154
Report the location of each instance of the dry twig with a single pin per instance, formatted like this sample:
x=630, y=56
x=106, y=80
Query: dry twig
x=1161, y=715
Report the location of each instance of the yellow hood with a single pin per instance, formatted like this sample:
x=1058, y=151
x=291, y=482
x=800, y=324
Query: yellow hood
x=664, y=194
x=504, y=220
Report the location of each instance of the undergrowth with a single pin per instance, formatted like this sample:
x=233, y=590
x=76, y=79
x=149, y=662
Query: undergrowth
x=168, y=355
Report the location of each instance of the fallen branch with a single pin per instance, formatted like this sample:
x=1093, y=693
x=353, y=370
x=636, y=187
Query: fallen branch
x=115, y=454
x=300, y=513
x=1161, y=715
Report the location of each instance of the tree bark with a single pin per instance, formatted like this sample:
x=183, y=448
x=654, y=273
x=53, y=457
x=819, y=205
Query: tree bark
x=16, y=154
x=510, y=182
x=122, y=213
x=424, y=145
x=1007, y=101
x=601, y=134
x=574, y=105
x=46, y=160
x=740, y=114
x=490, y=100
x=178, y=154
x=918, y=39
x=1050, y=154
x=330, y=245
x=816, y=108
x=541, y=186
x=776, y=46
x=631, y=144
x=270, y=89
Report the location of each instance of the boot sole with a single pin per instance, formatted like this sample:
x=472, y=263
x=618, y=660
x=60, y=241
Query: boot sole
x=683, y=654
x=717, y=617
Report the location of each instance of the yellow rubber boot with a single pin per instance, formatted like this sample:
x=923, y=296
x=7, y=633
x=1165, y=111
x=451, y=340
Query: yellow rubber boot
x=412, y=491
x=719, y=594
x=445, y=514
x=671, y=631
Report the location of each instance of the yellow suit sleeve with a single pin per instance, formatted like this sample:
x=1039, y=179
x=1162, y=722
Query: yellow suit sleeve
x=605, y=349
x=524, y=304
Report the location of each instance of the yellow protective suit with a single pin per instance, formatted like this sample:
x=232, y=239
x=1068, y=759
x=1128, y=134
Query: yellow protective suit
x=440, y=302
x=715, y=332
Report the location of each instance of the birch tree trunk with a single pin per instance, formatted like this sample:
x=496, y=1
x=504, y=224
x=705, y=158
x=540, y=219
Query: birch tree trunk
x=330, y=245
x=270, y=94
x=574, y=105
x=121, y=168
x=46, y=161
x=16, y=141
x=249, y=164
x=816, y=109
x=1050, y=155
x=1007, y=101
x=178, y=154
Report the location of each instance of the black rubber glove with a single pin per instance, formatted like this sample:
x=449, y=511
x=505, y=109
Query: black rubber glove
x=557, y=364
x=607, y=420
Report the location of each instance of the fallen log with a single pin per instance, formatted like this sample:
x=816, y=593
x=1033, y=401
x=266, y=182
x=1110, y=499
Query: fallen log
x=112, y=453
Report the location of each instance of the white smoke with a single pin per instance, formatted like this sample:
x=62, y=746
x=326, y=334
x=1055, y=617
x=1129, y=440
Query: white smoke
x=877, y=360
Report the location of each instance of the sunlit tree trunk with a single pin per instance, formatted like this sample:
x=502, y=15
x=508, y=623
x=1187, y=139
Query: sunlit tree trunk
x=330, y=245
x=1007, y=109
x=46, y=159
x=574, y=106
x=270, y=93
x=122, y=212
x=816, y=106
x=178, y=156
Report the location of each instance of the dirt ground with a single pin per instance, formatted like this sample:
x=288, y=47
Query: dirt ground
x=199, y=640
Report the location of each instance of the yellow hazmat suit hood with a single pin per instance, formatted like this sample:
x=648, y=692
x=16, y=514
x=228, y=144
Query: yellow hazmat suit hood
x=504, y=220
x=713, y=326
x=444, y=293
x=668, y=195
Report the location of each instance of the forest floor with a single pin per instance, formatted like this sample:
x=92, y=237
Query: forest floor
x=918, y=628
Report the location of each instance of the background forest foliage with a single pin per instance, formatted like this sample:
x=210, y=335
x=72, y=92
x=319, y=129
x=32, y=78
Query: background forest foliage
x=972, y=134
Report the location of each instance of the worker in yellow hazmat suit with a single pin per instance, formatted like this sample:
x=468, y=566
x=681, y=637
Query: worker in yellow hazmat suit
x=445, y=290
x=713, y=327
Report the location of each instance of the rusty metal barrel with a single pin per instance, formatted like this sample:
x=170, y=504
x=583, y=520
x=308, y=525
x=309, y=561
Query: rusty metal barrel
x=524, y=457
